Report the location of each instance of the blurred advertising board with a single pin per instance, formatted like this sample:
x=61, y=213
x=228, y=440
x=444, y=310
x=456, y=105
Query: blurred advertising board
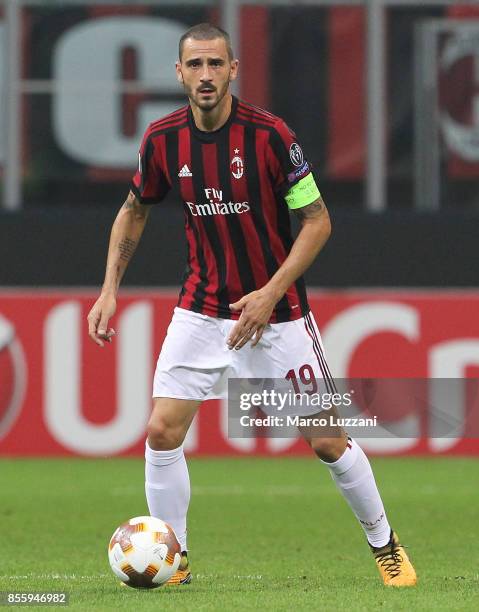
x=60, y=394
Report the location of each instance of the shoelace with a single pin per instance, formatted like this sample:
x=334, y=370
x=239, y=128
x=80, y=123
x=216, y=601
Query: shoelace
x=391, y=561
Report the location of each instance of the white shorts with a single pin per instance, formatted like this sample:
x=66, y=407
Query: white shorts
x=195, y=361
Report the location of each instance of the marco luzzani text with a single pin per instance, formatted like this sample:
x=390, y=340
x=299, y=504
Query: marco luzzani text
x=274, y=400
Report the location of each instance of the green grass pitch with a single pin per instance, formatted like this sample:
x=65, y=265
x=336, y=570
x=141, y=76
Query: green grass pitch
x=267, y=534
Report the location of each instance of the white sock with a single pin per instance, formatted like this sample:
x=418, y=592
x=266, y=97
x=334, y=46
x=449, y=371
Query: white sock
x=354, y=477
x=167, y=487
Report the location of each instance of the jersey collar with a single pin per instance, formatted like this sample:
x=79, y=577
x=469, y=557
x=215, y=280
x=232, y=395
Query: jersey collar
x=211, y=136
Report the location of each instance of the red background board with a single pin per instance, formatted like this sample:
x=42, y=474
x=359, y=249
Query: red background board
x=367, y=334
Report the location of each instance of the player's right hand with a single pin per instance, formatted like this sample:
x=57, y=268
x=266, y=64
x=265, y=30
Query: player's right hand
x=98, y=317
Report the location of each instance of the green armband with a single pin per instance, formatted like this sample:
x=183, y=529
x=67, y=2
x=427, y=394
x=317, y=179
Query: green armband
x=303, y=193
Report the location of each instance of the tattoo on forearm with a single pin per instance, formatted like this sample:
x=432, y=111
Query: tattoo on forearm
x=312, y=210
x=127, y=248
x=140, y=211
x=129, y=202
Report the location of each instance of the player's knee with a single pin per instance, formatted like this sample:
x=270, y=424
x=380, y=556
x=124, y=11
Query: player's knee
x=162, y=435
x=329, y=449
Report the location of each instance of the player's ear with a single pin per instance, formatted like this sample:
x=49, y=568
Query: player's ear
x=234, y=69
x=179, y=74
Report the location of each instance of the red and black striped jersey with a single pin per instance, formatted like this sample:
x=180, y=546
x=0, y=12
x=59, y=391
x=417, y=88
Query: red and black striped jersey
x=232, y=183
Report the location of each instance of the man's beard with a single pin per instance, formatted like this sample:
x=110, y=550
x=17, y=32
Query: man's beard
x=207, y=105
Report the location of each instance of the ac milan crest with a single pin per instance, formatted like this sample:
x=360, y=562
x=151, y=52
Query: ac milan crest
x=237, y=165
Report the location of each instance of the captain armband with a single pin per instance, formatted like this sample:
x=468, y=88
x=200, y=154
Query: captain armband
x=303, y=193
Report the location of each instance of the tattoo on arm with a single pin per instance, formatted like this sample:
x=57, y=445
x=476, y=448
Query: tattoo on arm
x=311, y=211
x=129, y=202
x=140, y=211
x=127, y=248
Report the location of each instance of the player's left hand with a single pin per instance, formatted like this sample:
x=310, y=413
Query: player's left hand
x=256, y=308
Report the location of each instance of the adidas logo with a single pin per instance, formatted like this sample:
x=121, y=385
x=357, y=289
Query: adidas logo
x=185, y=171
